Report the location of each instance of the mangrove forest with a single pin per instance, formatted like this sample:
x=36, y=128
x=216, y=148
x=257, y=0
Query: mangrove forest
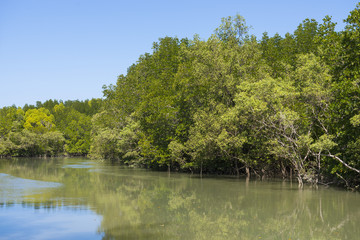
x=276, y=106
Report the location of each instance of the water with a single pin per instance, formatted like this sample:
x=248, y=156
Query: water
x=76, y=198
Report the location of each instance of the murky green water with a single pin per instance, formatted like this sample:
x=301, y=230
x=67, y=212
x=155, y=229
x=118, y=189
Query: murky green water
x=76, y=198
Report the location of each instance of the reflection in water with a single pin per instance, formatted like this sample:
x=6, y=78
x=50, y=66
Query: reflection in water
x=23, y=222
x=14, y=187
x=139, y=204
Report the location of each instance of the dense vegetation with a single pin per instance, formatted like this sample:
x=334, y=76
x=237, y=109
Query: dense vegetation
x=47, y=129
x=229, y=104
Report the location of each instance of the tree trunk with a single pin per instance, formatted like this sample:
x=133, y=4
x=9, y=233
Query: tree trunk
x=237, y=168
x=299, y=178
x=283, y=170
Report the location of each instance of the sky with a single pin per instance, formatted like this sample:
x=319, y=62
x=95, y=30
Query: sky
x=69, y=49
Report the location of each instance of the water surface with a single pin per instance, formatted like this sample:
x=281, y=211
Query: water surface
x=76, y=198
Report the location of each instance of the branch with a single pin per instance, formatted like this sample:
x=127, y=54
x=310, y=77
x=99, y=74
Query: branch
x=343, y=179
x=344, y=163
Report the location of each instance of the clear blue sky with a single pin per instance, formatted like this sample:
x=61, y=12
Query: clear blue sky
x=68, y=49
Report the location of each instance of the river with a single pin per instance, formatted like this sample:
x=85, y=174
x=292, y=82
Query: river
x=78, y=198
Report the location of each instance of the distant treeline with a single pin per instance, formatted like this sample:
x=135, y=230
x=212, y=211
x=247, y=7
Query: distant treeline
x=231, y=104
x=51, y=128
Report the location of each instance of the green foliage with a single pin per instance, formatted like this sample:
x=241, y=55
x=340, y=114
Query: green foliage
x=28, y=143
x=232, y=104
x=355, y=120
x=76, y=128
x=324, y=143
x=39, y=120
x=48, y=129
x=305, y=35
x=11, y=119
x=232, y=29
x=116, y=144
x=228, y=104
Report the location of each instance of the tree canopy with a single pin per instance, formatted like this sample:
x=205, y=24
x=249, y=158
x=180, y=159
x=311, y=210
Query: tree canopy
x=233, y=104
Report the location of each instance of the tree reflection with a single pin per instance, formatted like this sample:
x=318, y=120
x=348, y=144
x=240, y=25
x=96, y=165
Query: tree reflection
x=138, y=204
